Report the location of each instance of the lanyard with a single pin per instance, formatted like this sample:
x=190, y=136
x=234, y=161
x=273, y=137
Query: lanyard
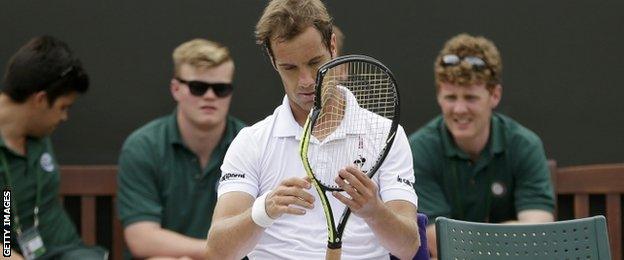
x=456, y=195
x=7, y=177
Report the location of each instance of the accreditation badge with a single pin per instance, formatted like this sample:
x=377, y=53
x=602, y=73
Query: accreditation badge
x=31, y=243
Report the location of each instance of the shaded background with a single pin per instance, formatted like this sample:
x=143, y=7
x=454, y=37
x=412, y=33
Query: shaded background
x=562, y=73
x=561, y=78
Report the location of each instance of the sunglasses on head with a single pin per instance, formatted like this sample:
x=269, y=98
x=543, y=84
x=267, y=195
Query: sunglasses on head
x=199, y=88
x=477, y=63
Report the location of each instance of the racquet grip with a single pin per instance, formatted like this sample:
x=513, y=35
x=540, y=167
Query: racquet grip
x=333, y=254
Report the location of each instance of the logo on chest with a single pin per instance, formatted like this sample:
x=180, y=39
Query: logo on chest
x=47, y=164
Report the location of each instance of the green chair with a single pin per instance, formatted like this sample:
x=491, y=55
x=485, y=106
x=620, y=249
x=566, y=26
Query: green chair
x=584, y=238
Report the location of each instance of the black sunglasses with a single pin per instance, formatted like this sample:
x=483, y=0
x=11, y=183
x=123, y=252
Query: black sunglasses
x=199, y=88
x=477, y=63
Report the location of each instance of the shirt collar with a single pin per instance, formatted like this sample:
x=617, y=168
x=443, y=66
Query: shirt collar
x=175, y=138
x=495, y=143
x=173, y=131
x=2, y=144
x=352, y=110
x=287, y=126
x=34, y=145
x=285, y=123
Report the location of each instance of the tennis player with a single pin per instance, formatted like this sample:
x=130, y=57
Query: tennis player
x=266, y=208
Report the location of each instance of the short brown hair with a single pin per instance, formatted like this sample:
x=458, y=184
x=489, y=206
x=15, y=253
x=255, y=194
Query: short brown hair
x=200, y=53
x=285, y=19
x=464, y=45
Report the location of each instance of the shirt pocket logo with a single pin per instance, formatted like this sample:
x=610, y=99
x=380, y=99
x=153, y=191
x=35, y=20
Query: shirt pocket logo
x=46, y=162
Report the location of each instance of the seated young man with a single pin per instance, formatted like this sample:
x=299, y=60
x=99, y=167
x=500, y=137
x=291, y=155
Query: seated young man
x=169, y=168
x=472, y=163
x=42, y=81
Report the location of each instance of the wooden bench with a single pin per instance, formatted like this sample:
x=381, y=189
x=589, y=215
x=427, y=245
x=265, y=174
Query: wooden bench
x=602, y=179
x=91, y=181
x=88, y=183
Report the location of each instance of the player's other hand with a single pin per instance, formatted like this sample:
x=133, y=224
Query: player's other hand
x=364, y=201
x=290, y=197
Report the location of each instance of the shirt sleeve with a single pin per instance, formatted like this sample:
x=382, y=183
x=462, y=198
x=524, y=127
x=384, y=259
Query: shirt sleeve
x=239, y=171
x=433, y=202
x=533, y=186
x=396, y=174
x=138, y=197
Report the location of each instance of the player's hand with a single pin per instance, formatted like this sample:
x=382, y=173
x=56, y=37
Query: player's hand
x=364, y=201
x=290, y=197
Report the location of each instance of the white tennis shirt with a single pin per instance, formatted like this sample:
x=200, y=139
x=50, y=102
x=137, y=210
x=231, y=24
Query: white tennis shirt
x=263, y=155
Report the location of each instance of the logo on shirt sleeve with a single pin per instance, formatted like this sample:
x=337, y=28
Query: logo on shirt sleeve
x=405, y=181
x=232, y=176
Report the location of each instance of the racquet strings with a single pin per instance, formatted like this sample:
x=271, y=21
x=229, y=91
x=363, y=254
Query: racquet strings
x=358, y=102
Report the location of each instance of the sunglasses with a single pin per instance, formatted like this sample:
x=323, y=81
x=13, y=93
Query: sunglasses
x=477, y=63
x=199, y=88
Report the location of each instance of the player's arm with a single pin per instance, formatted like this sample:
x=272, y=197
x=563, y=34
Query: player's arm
x=432, y=243
x=148, y=239
x=396, y=228
x=393, y=222
x=234, y=233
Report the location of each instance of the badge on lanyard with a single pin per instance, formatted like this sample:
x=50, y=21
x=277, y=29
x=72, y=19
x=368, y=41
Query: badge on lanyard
x=31, y=244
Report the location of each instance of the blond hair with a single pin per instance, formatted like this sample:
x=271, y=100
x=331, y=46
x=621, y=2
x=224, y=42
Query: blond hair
x=200, y=53
x=463, y=74
x=283, y=20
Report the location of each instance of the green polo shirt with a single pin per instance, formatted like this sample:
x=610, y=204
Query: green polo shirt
x=55, y=227
x=510, y=175
x=161, y=180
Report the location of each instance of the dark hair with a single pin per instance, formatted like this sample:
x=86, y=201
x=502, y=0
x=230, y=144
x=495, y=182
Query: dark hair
x=44, y=64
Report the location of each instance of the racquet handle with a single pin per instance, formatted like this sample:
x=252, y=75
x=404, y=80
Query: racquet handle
x=333, y=254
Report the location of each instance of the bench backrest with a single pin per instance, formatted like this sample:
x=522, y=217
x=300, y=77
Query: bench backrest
x=601, y=179
x=89, y=182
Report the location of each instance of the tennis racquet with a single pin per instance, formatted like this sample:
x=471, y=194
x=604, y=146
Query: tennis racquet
x=353, y=122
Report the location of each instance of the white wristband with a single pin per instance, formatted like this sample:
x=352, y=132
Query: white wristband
x=259, y=214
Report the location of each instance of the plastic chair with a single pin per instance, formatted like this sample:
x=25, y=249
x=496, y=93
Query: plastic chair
x=423, y=250
x=584, y=238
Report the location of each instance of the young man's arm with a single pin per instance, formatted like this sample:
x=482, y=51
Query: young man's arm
x=147, y=239
x=234, y=233
x=14, y=255
x=532, y=216
x=533, y=191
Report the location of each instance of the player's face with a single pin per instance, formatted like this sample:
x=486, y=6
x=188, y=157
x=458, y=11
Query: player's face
x=207, y=110
x=467, y=109
x=297, y=62
x=49, y=117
